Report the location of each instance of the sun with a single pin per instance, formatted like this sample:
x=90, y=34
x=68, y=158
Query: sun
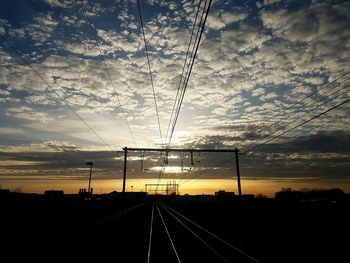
x=180, y=137
x=170, y=169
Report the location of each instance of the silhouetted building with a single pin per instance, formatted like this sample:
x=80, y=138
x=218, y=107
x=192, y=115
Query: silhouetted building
x=224, y=194
x=247, y=197
x=4, y=193
x=54, y=194
x=135, y=195
x=289, y=195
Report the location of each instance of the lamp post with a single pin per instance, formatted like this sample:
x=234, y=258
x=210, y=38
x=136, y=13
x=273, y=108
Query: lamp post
x=91, y=164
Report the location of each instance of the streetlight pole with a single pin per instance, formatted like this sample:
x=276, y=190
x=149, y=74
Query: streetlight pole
x=125, y=162
x=91, y=164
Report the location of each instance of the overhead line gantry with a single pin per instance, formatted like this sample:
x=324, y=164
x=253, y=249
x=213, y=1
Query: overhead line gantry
x=183, y=150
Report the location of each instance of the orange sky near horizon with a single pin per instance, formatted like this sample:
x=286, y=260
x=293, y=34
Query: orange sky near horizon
x=267, y=187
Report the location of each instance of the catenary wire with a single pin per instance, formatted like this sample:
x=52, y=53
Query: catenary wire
x=183, y=69
x=107, y=70
x=36, y=72
x=297, y=126
x=189, y=73
x=297, y=118
x=300, y=101
x=150, y=70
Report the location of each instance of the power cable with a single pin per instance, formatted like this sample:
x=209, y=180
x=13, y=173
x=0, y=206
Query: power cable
x=300, y=101
x=183, y=69
x=189, y=73
x=313, y=109
x=297, y=126
x=150, y=70
x=56, y=93
x=107, y=70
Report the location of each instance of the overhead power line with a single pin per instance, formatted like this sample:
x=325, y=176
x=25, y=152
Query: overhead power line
x=183, y=69
x=297, y=119
x=184, y=77
x=150, y=71
x=190, y=56
x=93, y=32
x=189, y=71
x=300, y=101
x=297, y=126
x=36, y=72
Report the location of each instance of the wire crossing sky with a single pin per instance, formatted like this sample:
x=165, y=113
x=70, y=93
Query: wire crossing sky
x=262, y=68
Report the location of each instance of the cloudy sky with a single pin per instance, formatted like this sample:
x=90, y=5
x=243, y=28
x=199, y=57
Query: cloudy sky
x=262, y=68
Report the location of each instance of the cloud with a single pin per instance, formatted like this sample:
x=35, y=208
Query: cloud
x=83, y=48
x=258, y=92
x=60, y=3
x=268, y=96
x=244, y=38
x=246, y=70
x=300, y=26
x=20, y=163
x=28, y=113
x=119, y=42
x=11, y=131
x=220, y=19
x=3, y=23
x=39, y=100
x=18, y=32
x=43, y=27
x=301, y=90
x=315, y=23
x=48, y=146
x=4, y=93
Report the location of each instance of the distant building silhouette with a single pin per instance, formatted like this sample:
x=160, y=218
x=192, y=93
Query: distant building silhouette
x=54, y=194
x=4, y=193
x=224, y=194
x=290, y=195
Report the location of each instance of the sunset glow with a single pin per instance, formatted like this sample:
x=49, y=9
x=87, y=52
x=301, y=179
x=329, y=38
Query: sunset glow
x=77, y=85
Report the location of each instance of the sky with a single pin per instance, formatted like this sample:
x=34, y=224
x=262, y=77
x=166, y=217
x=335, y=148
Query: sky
x=262, y=69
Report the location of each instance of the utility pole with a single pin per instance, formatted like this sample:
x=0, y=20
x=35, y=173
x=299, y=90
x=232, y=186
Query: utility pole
x=125, y=161
x=91, y=164
x=238, y=173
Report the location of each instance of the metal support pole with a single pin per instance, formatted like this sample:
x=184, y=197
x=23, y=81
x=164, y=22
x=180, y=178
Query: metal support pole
x=89, y=188
x=125, y=161
x=238, y=173
x=166, y=157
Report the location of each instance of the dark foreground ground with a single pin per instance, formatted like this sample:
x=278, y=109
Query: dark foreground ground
x=36, y=229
